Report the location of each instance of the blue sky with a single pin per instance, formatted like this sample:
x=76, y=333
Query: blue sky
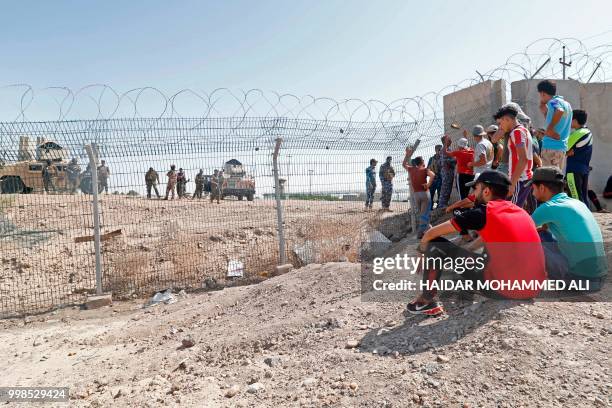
x=342, y=49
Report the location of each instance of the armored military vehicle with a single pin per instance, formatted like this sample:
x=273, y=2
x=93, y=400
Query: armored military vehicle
x=236, y=182
x=25, y=175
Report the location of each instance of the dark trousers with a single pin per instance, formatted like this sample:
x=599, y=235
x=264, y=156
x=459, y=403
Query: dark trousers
x=370, y=190
x=594, y=200
x=152, y=186
x=578, y=185
x=386, y=194
x=198, y=191
x=461, y=180
x=436, y=187
x=442, y=248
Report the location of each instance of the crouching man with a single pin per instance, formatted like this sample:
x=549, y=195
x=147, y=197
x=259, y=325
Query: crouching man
x=571, y=238
x=512, y=247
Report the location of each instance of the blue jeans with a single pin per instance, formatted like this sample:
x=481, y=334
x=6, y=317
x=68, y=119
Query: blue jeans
x=557, y=265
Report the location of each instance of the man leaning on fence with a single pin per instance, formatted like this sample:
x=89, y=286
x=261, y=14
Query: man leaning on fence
x=370, y=184
x=418, y=173
x=151, y=180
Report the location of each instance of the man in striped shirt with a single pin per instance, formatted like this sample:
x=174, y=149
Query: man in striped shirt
x=520, y=153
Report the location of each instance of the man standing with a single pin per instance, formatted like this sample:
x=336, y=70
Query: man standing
x=483, y=153
x=520, y=153
x=199, y=184
x=151, y=180
x=508, y=234
x=73, y=171
x=386, y=175
x=465, y=174
x=171, y=186
x=498, y=147
x=447, y=171
x=370, y=184
x=558, y=124
x=418, y=174
x=48, y=174
x=579, y=151
x=103, y=175
x=181, y=183
x=576, y=253
x=434, y=165
x=215, y=186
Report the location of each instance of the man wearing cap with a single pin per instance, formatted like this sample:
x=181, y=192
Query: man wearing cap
x=558, y=124
x=520, y=153
x=508, y=235
x=571, y=238
x=483, y=152
x=370, y=184
x=386, y=175
x=464, y=155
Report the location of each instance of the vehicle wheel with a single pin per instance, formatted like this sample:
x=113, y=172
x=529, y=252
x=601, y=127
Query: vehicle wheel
x=12, y=185
x=250, y=197
x=239, y=198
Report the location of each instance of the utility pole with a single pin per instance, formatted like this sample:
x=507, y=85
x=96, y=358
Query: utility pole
x=565, y=64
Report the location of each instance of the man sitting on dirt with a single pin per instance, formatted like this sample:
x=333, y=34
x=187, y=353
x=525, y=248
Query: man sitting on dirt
x=572, y=240
x=508, y=234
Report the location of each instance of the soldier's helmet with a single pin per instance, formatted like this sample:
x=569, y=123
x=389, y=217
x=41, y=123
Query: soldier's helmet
x=172, y=167
x=150, y=168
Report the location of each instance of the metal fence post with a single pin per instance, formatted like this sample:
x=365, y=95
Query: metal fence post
x=279, y=207
x=93, y=166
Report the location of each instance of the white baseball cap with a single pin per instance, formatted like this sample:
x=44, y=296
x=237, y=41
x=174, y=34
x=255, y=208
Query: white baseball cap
x=463, y=142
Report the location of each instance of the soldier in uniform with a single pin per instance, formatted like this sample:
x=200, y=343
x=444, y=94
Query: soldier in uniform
x=48, y=173
x=74, y=170
x=386, y=175
x=181, y=183
x=151, y=180
x=199, y=183
x=171, y=186
x=103, y=175
x=215, y=186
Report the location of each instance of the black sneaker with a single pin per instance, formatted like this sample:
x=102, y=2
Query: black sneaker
x=432, y=308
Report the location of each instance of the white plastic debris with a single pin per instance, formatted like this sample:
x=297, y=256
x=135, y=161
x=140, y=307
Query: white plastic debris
x=165, y=297
x=235, y=269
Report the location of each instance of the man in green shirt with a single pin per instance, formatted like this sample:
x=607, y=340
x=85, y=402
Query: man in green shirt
x=572, y=240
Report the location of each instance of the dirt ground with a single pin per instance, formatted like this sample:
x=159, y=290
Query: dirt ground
x=179, y=244
x=307, y=338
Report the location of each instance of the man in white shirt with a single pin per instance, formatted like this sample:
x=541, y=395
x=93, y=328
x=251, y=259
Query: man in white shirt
x=483, y=152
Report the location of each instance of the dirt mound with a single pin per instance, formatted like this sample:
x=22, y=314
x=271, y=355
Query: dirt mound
x=307, y=339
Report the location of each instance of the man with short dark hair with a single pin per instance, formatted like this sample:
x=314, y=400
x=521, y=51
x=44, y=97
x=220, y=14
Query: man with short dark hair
x=418, y=174
x=558, y=124
x=579, y=151
x=508, y=234
x=520, y=153
x=572, y=240
x=370, y=184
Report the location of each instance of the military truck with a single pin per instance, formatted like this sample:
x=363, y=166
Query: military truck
x=236, y=182
x=25, y=175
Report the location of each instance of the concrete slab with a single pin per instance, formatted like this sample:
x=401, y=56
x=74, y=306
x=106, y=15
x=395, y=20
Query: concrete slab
x=98, y=301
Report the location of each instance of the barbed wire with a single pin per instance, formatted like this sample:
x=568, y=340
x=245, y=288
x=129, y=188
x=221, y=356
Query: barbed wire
x=103, y=102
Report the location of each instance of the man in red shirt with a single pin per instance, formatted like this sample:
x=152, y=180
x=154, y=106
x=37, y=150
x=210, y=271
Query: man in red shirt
x=418, y=174
x=512, y=254
x=465, y=174
x=520, y=153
